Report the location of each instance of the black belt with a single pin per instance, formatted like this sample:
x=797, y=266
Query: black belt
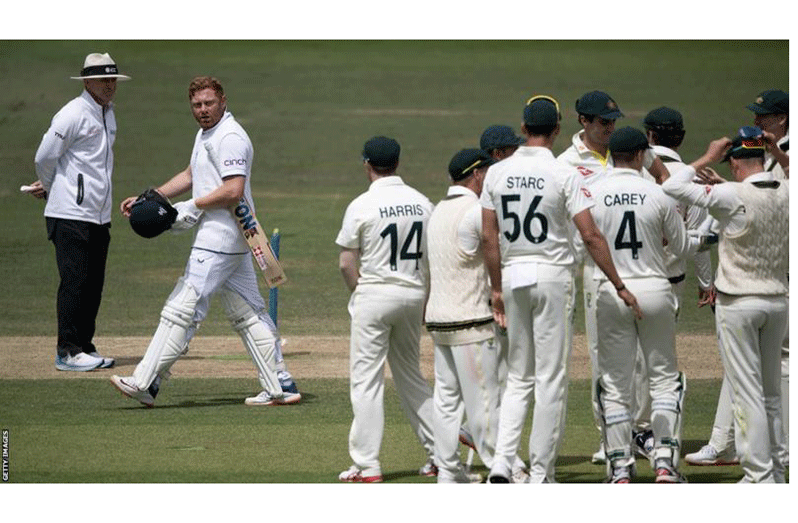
x=459, y=325
x=677, y=279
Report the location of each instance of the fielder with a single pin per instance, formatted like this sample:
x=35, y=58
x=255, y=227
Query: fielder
x=771, y=114
x=751, y=304
x=636, y=215
x=220, y=261
x=528, y=200
x=460, y=322
x=383, y=261
x=589, y=154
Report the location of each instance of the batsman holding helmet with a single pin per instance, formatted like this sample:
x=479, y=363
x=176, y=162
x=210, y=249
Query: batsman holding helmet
x=220, y=261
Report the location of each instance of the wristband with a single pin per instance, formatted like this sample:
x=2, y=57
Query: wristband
x=619, y=289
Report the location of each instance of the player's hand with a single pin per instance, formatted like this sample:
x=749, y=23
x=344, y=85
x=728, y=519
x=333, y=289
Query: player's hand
x=706, y=296
x=36, y=189
x=631, y=302
x=770, y=140
x=126, y=205
x=497, y=306
x=717, y=149
x=708, y=176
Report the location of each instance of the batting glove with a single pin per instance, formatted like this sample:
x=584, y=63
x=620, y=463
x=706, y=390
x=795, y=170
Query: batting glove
x=188, y=214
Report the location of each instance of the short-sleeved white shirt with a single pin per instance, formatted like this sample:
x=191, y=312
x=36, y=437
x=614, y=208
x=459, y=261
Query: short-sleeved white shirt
x=535, y=197
x=388, y=225
x=218, y=230
x=634, y=214
x=590, y=164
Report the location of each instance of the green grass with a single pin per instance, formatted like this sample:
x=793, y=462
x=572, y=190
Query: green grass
x=308, y=107
x=68, y=431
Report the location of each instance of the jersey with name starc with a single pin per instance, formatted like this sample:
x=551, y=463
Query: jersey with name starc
x=218, y=230
x=388, y=225
x=535, y=197
x=635, y=215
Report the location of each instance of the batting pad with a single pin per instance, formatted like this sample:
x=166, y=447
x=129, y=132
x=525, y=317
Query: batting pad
x=169, y=341
x=258, y=339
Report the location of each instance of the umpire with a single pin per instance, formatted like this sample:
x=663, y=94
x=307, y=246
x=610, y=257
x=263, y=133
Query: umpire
x=74, y=163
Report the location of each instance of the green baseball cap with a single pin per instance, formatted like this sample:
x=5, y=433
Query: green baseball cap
x=466, y=161
x=628, y=140
x=774, y=101
x=598, y=103
x=381, y=151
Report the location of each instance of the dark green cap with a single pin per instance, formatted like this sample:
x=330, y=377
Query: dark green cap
x=628, y=140
x=381, y=151
x=598, y=103
x=466, y=161
x=497, y=136
x=774, y=101
x=664, y=119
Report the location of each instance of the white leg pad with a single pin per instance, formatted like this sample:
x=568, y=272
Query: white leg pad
x=170, y=339
x=666, y=422
x=617, y=431
x=258, y=339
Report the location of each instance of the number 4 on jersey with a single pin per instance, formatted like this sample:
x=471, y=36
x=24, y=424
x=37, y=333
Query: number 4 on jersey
x=404, y=254
x=628, y=222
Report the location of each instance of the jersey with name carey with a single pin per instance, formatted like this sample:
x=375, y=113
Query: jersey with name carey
x=634, y=214
x=535, y=197
x=388, y=224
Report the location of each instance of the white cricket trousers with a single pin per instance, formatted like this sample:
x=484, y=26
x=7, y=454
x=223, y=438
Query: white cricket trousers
x=465, y=382
x=751, y=331
x=208, y=272
x=386, y=324
x=540, y=330
x=620, y=336
x=641, y=397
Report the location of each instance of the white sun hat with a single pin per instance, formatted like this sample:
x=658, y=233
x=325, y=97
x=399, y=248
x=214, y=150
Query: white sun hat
x=99, y=65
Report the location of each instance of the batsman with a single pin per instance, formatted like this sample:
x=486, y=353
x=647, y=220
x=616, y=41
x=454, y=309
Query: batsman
x=218, y=176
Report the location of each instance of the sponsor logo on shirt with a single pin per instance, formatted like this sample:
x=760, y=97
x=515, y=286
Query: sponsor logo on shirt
x=584, y=170
x=235, y=162
x=586, y=192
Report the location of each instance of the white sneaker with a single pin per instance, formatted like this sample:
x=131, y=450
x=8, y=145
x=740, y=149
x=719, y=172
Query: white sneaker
x=520, y=475
x=355, y=474
x=666, y=473
x=127, y=386
x=599, y=457
x=107, y=362
x=429, y=469
x=620, y=475
x=708, y=455
x=80, y=362
x=460, y=477
x=266, y=399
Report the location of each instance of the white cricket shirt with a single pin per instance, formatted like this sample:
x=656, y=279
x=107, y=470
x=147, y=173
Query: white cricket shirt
x=634, y=214
x=218, y=230
x=535, y=197
x=590, y=164
x=75, y=161
x=388, y=224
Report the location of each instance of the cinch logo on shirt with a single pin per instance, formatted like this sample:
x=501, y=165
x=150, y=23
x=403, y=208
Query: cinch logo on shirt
x=230, y=163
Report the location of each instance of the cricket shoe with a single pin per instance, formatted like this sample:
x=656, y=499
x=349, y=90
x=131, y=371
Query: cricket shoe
x=466, y=439
x=643, y=442
x=430, y=469
x=500, y=472
x=80, y=362
x=666, y=473
x=127, y=386
x=520, y=475
x=460, y=477
x=287, y=382
x=709, y=456
x=599, y=457
x=267, y=400
x=107, y=362
x=621, y=475
x=355, y=474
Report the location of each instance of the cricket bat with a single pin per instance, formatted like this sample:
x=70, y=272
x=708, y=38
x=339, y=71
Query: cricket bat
x=250, y=227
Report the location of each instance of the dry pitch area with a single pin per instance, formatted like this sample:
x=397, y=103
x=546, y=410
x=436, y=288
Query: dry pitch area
x=306, y=357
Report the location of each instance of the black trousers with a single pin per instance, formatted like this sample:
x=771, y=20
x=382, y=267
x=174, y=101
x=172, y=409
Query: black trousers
x=81, y=250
